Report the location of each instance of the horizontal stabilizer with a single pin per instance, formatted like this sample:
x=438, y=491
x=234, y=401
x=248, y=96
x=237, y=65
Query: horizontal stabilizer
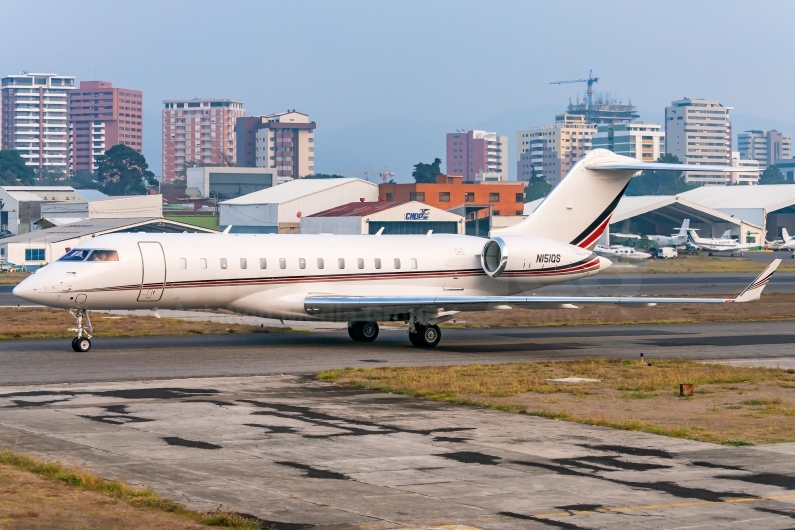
x=644, y=166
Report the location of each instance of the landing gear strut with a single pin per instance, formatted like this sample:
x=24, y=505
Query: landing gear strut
x=363, y=331
x=81, y=343
x=425, y=336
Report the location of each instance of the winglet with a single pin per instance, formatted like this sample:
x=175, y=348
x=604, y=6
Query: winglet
x=754, y=291
x=227, y=229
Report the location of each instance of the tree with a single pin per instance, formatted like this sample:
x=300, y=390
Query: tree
x=83, y=179
x=660, y=182
x=49, y=176
x=124, y=171
x=537, y=187
x=13, y=171
x=773, y=175
x=426, y=173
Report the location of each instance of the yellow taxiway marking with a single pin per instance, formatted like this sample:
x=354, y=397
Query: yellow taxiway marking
x=661, y=506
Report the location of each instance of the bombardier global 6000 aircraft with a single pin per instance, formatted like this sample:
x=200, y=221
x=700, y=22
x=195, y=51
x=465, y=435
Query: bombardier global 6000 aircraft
x=422, y=280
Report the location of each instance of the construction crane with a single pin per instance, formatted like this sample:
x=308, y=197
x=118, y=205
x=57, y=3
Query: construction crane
x=385, y=175
x=591, y=80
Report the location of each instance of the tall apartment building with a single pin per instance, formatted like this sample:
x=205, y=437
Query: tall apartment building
x=698, y=131
x=553, y=149
x=764, y=146
x=478, y=156
x=198, y=130
x=34, y=118
x=643, y=141
x=751, y=172
x=284, y=141
x=101, y=116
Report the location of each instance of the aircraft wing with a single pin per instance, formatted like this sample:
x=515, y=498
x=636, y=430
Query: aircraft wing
x=382, y=306
x=643, y=166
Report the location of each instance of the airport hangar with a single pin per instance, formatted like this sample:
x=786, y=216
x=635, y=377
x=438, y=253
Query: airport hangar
x=663, y=214
x=408, y=217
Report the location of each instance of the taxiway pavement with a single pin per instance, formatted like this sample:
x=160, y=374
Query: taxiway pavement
x=145, y=358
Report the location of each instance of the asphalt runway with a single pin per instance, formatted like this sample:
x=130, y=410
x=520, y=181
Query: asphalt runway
x=629, y=284
x=147, y=358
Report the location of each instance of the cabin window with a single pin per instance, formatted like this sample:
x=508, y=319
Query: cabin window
x=202, y=263
x=413, y=263
x=320, y=263
x=183, y=263
x=377, y=263
x=360, y=263
x=223, y=263
x=282, y=263
x=341, y=263
x=263, y=263
x=301, y=263
x=397, y=263
x=243, y=263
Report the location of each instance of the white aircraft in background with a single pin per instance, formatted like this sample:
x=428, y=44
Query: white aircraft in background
x=422, y=280
x=673, y=240
x=787, y=242
x=621, y=253
x=724, y=243
x=619, y=235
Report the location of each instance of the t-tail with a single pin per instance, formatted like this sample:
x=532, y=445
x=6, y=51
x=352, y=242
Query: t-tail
x=684, y=227
x=784, y=235
x=692, y=237
x=578, y=210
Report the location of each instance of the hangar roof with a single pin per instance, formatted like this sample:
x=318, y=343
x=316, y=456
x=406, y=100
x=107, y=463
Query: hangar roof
x=676, y=207
x=768, y=197
x=102, y=226
x=295, y=189
x=357, y=209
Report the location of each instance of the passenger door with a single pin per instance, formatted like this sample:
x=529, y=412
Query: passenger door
x=153, y=278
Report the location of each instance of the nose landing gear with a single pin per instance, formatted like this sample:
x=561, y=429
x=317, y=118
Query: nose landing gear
x=81, y=343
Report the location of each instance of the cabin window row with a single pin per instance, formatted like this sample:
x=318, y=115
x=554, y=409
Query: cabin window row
x=321, y=264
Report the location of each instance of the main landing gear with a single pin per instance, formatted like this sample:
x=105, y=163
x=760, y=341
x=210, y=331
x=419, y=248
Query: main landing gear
x=81, y=343
x=425, y=336
x=363, y=331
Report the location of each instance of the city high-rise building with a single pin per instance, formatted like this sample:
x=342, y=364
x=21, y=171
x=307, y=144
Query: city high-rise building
x=101, y=116
x=198, y=130
x=478, y=156
x=34, y=118
x=284, y=141
x=764, y=146
x=552, y=150
x=751, y=172
x=698, y=131
x=643, y=141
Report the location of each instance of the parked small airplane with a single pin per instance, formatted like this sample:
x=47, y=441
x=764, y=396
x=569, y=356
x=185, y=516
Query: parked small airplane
x=422, y=280
x=724, y=243
x=787, y=242
x=673, y=240
x=621, y=253
x=619, y=235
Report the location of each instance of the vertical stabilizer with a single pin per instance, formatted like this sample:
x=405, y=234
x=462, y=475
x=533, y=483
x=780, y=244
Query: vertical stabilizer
x=784, y=235
x=684, y=227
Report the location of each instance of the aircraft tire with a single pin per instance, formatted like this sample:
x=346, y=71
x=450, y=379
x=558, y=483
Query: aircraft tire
x=74, y=344
x=367, y=331
x=426, y=336
x=83, y=345
x=352, y=331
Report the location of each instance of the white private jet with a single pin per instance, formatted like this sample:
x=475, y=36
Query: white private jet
x=787, y=242
x=673, y=240
x=422, y=280
x=724, y=243
x=621, y=253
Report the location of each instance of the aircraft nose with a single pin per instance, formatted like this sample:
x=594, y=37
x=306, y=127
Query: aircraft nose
x=26, y=289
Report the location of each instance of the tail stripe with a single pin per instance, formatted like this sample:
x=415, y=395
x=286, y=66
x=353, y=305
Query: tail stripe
x=584, y=238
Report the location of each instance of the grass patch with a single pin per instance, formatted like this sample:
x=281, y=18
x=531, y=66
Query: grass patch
x=701, y=263
x=731, y=404
x=114, y=489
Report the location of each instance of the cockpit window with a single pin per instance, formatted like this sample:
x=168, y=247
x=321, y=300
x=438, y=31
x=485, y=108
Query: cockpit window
x=103, y=255
x=78, y=254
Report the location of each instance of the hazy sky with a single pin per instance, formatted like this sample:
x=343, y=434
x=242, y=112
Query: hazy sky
x=385, y=80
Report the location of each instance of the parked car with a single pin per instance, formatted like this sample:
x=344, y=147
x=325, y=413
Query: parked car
x=667, y=252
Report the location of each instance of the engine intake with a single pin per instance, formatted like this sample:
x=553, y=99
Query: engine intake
x=494, y=257
x=533, y=257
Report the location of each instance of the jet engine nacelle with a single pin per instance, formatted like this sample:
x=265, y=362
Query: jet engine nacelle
x=511, y=256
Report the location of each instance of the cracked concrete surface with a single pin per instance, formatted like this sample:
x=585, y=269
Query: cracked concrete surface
x=290, y=449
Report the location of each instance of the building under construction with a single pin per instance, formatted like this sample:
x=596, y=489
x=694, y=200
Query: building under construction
x=604, y=109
